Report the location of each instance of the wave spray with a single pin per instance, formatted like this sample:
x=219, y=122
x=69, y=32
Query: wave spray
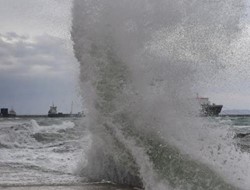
x=140, y=62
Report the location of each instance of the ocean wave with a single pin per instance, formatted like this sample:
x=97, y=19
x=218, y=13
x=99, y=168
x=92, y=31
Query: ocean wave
x=139, y=65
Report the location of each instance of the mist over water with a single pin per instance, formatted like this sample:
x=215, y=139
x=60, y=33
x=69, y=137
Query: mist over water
x=140, y=62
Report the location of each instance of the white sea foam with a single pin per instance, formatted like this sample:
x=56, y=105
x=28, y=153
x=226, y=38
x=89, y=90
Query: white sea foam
x=43, y=151
x=140, y=64
x=53, y=127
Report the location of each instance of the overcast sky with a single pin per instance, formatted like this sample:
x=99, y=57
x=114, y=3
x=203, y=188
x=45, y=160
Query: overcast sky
x=37, y=66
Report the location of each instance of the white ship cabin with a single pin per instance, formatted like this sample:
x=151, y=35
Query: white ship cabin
x=12, y=112
x=203, y=100
x=52, y=110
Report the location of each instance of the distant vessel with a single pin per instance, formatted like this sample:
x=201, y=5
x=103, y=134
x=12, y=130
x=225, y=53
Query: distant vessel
x=6, y=113
x=208, y=109
x=53, y=113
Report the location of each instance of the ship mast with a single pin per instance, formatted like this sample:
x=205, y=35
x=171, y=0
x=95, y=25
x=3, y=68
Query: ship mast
x=71, y=111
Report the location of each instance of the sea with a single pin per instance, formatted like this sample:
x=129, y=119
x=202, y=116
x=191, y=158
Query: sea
x=45, y=153
x=139, y=65
x=41, y=151
x=50, y=152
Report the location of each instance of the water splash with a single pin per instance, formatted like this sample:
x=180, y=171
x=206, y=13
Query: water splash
x=140, y=62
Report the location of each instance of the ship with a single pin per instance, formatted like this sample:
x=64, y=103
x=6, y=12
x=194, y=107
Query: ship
x=208, y=109
x=6, y=113
x=53, y=113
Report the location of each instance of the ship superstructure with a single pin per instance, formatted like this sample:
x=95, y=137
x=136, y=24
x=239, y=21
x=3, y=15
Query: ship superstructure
x=12, y=113
x=52, y=111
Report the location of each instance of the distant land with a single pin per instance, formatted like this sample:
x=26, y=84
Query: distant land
x=235, y=112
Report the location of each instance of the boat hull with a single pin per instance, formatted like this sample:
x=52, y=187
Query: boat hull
x=211, y=110
x=58, y=115
x=64, y=115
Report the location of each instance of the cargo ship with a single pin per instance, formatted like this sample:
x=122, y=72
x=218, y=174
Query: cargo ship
x=53, y=113
x=208, y=109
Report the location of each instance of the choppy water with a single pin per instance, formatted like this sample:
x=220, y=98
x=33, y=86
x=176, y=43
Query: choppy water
x=241, y=130
x=50, y=151
x=41, y=151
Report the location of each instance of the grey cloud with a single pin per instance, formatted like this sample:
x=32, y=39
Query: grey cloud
x=21, y=54
x=13, y=35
